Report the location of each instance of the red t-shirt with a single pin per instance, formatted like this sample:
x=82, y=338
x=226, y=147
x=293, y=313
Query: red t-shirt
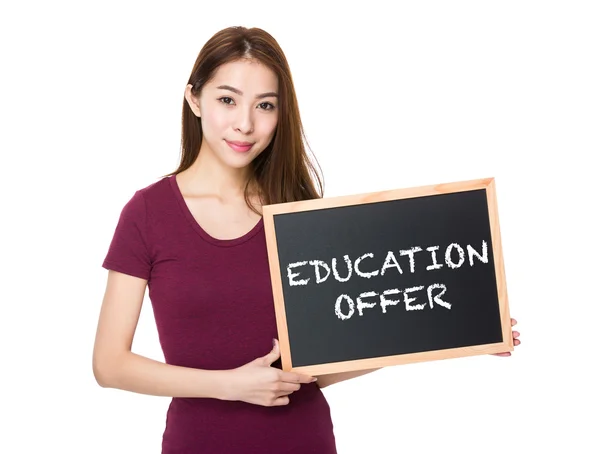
x=213, y=305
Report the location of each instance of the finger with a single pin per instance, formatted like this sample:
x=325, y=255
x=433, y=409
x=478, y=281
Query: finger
x=513, y=322
x=502, y=354
x=273, y=355
x=283, y=394
x=516, y=334
x=280, y=401
x=516, y=342
x=288, y=388
x=292, y=377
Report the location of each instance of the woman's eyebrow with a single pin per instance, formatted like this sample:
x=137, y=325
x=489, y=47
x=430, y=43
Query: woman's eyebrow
x=239, y=92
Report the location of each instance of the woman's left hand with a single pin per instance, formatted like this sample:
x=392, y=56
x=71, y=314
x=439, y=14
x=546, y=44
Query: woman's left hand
x=516, y=341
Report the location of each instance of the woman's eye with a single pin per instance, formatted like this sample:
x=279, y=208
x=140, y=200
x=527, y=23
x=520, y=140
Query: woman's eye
x=266, y=106
x=226, y=100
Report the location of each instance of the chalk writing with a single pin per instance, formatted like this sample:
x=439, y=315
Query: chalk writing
x=367, y=266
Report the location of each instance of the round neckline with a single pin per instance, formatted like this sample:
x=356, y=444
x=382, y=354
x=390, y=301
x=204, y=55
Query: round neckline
x=198, y=228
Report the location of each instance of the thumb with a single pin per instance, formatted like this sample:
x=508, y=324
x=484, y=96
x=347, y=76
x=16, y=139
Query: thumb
x=273, y=355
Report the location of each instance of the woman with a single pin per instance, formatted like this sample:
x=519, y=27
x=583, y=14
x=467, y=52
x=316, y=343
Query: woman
x=196, y=239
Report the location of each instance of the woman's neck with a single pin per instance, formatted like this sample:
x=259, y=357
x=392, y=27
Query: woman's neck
x=207, y=175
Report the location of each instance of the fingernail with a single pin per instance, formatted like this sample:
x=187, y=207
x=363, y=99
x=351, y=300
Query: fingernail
x=314, y=379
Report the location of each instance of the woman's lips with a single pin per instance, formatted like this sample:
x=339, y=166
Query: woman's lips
x=240, y=147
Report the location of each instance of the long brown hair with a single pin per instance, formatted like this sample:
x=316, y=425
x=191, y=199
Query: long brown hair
x=284, y=171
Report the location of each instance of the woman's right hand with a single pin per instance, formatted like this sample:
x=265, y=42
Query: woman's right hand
x=260, y=384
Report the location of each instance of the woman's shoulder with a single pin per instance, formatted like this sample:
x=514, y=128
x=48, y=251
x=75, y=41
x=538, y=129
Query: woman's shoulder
x=152, y=193
x=155, y=189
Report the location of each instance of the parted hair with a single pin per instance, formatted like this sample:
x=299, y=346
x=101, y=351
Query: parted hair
x=284, y=171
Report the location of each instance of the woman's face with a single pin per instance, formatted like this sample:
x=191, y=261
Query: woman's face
x=238, y=110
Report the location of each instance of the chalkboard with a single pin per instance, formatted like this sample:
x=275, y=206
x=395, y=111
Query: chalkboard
x=386, y=278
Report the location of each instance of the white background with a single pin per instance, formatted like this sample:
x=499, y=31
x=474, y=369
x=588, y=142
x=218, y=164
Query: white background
x=425, y=93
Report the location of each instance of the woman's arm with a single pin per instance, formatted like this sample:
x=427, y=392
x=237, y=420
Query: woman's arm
x=330, y=379
x=114, y=364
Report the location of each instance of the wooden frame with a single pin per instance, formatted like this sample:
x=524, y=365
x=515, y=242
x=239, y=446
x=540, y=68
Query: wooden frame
x=269, y=211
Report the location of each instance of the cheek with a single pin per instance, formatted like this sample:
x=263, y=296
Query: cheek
x=214, y=121
x=268, y=126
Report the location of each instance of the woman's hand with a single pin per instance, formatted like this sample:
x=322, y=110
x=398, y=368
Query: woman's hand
x=260, y=384
x=516, y=341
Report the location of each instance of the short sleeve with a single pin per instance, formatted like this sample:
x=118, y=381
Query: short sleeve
x=128, y=251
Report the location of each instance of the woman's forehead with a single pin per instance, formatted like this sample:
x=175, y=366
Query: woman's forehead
x=249, y=74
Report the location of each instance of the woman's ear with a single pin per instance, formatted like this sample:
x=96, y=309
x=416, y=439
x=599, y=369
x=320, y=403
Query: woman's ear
x=192, y=100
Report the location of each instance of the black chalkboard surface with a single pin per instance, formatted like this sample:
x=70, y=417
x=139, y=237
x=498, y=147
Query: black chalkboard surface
x=388, y=278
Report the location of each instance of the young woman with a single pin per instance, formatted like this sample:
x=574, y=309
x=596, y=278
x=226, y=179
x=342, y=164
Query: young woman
x=196, y=239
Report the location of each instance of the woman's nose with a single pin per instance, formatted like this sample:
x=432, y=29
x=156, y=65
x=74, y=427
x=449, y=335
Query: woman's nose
x=244, y=122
